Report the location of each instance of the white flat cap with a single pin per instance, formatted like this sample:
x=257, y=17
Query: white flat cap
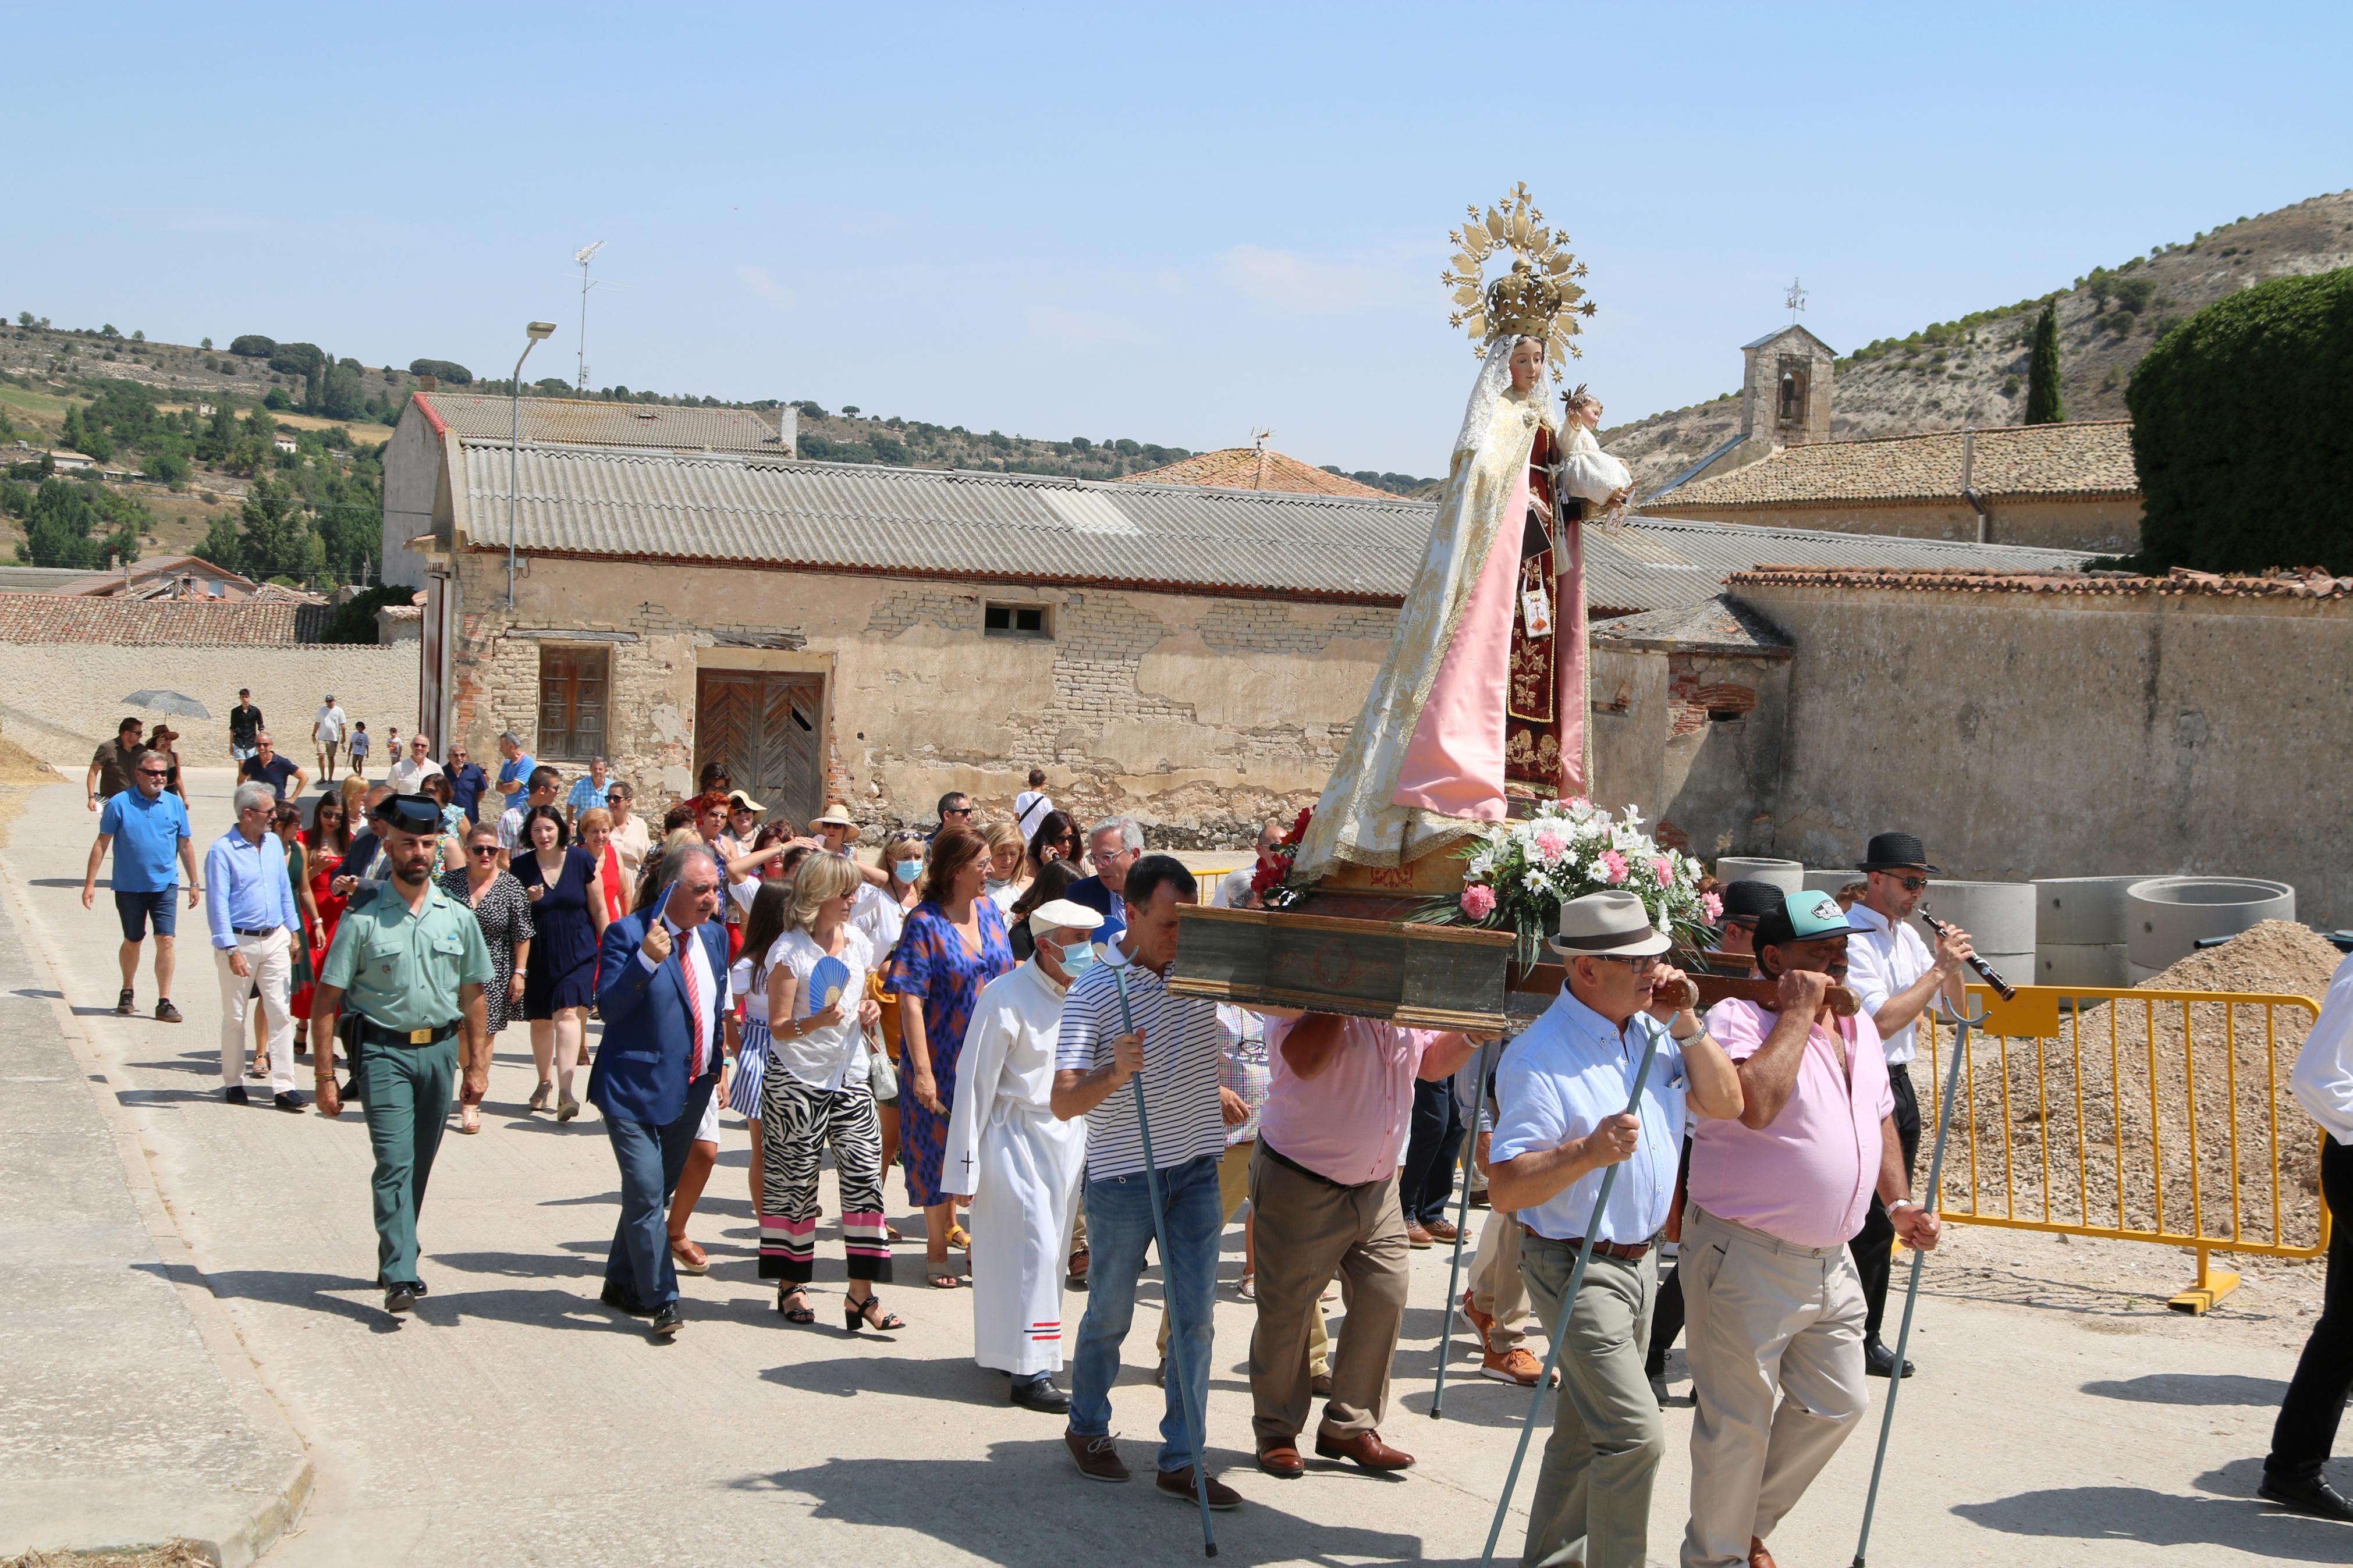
x=1064, y=914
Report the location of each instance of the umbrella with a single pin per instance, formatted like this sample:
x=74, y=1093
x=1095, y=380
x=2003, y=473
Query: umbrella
x=169, y=703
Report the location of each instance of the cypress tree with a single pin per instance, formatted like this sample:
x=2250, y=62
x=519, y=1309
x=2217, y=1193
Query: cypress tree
x=2042, y=401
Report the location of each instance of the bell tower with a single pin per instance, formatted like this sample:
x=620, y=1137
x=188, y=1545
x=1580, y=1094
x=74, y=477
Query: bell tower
x=1785, y=395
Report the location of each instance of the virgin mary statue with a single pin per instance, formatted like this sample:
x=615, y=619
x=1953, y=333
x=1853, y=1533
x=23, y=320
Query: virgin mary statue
x=1481, y=700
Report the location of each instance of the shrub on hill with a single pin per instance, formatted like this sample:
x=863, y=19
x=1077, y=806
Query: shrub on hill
x=253, y=346
x=448, y=372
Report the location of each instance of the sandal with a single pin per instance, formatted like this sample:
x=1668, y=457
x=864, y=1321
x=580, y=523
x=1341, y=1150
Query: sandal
x=870, y=1314
x=800, y=1314
x=539, y=1096
x=959, y=1236
x=469, y=1119
x=891, y=1232
x=942, y=1277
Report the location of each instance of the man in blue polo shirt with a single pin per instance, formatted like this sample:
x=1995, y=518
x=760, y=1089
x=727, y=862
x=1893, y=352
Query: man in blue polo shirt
x=148, y=828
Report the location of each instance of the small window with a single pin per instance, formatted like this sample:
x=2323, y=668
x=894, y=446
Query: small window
x=572, y=683
x=1017, y=621
x=1726, y=715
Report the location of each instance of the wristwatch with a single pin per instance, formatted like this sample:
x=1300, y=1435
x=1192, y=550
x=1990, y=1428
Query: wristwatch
x=1695, y=1033
x=1901, y=1203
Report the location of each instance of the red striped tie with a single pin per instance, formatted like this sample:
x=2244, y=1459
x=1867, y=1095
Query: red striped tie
x=693, y=1007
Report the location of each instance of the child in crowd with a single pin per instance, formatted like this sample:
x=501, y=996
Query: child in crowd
x=359, y=751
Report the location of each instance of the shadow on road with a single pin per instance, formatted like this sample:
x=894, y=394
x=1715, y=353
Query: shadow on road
x=2193, y=1388
x=2229, y=1517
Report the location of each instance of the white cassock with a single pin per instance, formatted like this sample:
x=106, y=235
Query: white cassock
x=1024, y=1171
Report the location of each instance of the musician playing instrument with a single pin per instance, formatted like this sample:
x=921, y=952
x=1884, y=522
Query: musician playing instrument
x=1898, y=979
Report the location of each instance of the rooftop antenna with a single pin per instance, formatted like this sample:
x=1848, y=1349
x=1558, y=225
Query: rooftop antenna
x=1259, y=437
x=581, y=256
x=1795, y=300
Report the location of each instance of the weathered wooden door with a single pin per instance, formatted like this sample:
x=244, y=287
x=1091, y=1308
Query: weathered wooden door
x=766, y=730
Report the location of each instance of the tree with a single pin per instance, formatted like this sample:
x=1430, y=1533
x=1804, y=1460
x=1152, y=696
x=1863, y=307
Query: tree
x=253, y=346
x=447, y=372
x=207, y=344
x=2234, y=419
x=79, y=526
x=220, y=546
x=274, y=537
x=342, y=395
x=218, y=435
x=170, y=466
x=2043, y=406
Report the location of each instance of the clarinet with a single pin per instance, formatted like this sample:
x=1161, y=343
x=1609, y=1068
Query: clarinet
x=2003, y=988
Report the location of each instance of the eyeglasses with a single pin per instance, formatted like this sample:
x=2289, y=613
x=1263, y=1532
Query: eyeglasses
x=482, y=849
x=1640, y=966
x=154, y=773
x=1909, y=884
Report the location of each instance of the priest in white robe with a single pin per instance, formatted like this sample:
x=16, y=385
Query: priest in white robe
x=1022, y=1167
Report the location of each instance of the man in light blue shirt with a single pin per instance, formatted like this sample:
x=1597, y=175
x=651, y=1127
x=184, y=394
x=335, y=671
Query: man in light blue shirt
x=1562, y=1119
x=588, y=792
x=514, y=771
x=148, y=829
x=254, y=926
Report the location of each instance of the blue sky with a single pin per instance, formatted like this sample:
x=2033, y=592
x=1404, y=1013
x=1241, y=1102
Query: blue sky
x=1170, y=222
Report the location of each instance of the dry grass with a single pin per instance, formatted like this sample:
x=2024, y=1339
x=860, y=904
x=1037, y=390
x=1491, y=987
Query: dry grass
x=171, y=1554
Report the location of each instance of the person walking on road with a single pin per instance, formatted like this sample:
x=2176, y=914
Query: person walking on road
x=327, y=733
x=357, y=749
x=662, y=991
x=148, y=830
x=284, y=775
x=243, y=724
x=503, y=911
x=409, y=771
x=254, y=922
x=2306, y=1430
x=111, y=767
x=467, y=782
x=569, y=913
x=409, y=964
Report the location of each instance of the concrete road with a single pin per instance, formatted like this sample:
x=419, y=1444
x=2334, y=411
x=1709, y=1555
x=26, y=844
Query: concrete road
x=515, y=1420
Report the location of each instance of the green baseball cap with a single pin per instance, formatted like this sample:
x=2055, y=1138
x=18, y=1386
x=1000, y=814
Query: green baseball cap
x=1805, y=916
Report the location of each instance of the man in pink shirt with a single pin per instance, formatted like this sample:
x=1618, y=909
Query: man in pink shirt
x=1774, y=1306
x=1323, y=1189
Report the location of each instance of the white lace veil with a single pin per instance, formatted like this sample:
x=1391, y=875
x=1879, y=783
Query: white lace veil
x=1494, y=377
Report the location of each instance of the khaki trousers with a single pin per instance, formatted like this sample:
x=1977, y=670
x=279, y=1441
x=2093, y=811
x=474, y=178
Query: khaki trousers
x=1592, y=1503
x=1774, y=1334
x=1308, y=1229
x=1233, y=1186
x=271, y=960
x=1495, y=1286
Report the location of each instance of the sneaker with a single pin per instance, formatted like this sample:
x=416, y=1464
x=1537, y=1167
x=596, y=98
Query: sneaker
x=124, y=1005
x=1483, y=1321
x=164, y=1012
x=1515, y=1365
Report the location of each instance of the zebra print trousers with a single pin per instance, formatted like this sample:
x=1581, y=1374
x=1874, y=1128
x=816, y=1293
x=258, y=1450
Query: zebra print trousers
x=796, y=1123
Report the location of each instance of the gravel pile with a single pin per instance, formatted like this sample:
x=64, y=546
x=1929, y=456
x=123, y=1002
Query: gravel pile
x=2019, y=1111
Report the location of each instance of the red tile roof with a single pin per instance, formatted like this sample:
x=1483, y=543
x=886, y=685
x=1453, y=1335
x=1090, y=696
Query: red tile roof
x=1254, y=469
x=140, y=623
x=2091, y=458
x=2303, y=582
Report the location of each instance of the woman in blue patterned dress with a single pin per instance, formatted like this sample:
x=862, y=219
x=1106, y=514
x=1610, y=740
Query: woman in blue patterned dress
x=953, y=944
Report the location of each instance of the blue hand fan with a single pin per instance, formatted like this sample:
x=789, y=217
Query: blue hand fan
x=828, y=978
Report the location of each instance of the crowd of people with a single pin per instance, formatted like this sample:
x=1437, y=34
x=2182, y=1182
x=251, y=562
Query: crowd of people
x=984, y=1008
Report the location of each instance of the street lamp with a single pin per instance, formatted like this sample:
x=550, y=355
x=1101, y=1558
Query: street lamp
x=537, y=332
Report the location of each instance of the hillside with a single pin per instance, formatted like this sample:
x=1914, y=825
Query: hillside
x=1973, y=371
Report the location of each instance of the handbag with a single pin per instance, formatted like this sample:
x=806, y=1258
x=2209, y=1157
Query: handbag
x=882, y=1077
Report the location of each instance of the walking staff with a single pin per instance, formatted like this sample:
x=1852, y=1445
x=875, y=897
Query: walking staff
x=1461, y=1225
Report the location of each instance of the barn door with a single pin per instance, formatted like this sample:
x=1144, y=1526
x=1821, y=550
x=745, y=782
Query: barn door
x=766, y=730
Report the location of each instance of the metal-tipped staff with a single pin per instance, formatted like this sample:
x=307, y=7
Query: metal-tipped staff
x=1195, y=1421
x=1568, y=1297
x=1961, y=1027
x=1461, y=1223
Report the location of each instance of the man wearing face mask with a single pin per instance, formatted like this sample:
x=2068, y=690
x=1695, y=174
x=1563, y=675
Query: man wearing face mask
x=1021, y=1166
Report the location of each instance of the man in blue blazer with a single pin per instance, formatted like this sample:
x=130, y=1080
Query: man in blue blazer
x=663, y=996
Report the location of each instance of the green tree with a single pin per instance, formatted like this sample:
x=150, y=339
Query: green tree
x=342, y=395
x=2043, y=405
x=252, y=346
x=218, y=435
x=274, y=536
x=2233, y=413
x=220, y=546
x=79, y=526
x=169, y=466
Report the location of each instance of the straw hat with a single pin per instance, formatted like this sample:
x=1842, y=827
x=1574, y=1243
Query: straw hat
x=836, y=815
x=1607, y=924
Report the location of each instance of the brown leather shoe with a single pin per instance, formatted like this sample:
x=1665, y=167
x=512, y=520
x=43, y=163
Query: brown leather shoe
x=1319, y=1386
x=1279, y=1456
x=1415, y=1236
x=1179, y=1484
x=1366, y=1449
x=1513, y=1366
x=1441, y=1230
x=1098, y=1458
x=1757, y=1556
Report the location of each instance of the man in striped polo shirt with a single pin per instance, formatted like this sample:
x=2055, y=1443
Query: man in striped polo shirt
x=1176, y=1048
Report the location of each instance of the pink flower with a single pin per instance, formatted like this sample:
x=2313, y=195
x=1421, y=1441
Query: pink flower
x=1666, y=871
x=1713, y=906
x=1615, y=865
x=1478, y=900
x=1550, y=846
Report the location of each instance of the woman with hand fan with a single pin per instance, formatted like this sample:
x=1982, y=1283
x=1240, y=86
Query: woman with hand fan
x=813, y=1093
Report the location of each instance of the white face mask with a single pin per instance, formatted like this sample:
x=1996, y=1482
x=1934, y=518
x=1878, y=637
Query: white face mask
x=908, y=870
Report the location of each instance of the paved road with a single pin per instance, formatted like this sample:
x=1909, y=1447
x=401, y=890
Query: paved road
x=515, y=1420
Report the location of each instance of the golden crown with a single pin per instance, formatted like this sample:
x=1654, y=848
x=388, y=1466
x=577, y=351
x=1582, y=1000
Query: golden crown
x=1536, y=297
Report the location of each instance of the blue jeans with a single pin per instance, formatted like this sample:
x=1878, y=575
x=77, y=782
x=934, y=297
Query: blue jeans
x=1118, y=1228
x=639, y=1267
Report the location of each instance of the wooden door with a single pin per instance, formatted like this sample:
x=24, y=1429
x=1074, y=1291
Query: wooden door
x=766, y=730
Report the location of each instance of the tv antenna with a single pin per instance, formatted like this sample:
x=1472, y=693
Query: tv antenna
x=1795, y=300
x=1259, y=437
x=581, y=256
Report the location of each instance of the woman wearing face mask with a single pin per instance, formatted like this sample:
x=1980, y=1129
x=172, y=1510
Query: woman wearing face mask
x=1021, y=1165
x=1008, y=872
x=881, y=913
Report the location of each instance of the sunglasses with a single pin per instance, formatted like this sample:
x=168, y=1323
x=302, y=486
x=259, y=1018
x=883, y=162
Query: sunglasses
x=957, y=811
x=1909, y=884
x=154, y=773
x=482, y=849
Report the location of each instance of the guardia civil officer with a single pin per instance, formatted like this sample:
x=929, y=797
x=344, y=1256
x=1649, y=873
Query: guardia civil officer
x=412, y=963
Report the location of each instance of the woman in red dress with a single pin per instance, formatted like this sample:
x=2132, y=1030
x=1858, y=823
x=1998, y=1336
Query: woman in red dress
x=324, y=845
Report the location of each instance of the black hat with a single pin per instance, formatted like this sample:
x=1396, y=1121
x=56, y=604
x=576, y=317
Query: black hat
x=1749, y=899
x=1897, y=852
x=409, y=813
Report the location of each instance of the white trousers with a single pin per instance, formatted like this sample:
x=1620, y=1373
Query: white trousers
x=1030, y=1168
x=271, y=959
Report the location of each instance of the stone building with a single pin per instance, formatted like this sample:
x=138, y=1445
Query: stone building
x=1254, y=467
x=1785, y=401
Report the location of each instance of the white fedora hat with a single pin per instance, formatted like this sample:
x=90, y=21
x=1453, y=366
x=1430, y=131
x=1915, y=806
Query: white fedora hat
x=1610, y=924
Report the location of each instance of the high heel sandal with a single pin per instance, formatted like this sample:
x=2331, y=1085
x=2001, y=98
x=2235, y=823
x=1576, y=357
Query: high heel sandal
x=539, y=1096
x=869, y=1312
x=800, y=1314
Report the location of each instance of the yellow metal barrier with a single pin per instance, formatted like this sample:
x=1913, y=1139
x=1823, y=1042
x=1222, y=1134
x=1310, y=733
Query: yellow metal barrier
x=2136, y=1115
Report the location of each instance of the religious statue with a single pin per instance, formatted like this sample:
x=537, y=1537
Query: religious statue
x=1480, y=705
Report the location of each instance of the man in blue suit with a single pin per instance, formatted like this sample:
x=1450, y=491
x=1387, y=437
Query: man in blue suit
x=662, y=997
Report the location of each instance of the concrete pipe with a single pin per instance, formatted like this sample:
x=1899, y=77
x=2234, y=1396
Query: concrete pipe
x=1999, y=917
x=2080, y=963
x=2167, y=915
x=1787, y=875
x=2074, y=911
x=1827, y=881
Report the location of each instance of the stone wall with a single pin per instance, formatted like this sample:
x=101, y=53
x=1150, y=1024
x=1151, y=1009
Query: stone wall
x=2027, y=735
x=60, y=700
x=2110, y=525
x=1694, y=740
x=1199, y=715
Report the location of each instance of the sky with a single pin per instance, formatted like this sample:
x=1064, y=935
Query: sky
x=1175, y=224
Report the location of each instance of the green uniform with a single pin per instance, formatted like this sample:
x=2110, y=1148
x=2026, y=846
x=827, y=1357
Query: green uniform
x=402, y=971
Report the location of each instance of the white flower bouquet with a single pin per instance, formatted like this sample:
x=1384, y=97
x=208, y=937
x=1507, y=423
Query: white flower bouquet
x=1518, y=874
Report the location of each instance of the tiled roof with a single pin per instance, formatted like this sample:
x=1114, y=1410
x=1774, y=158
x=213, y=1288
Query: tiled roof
x=2090, y=458
x=1254, y=469
x=147, y=623
x=2306, y=583
x=155, y=573
x=591, y=423
x=1026, y=528
x=1717, y=624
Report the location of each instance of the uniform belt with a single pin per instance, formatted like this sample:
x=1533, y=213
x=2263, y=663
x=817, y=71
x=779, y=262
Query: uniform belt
x=1623, y=1251
x=374, y=1034
x=257, y=931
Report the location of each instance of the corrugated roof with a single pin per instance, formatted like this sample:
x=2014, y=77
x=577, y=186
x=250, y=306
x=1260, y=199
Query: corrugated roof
x=1027, y=528
x=1253, y=469
x=589, y=422
x=2093, y=457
